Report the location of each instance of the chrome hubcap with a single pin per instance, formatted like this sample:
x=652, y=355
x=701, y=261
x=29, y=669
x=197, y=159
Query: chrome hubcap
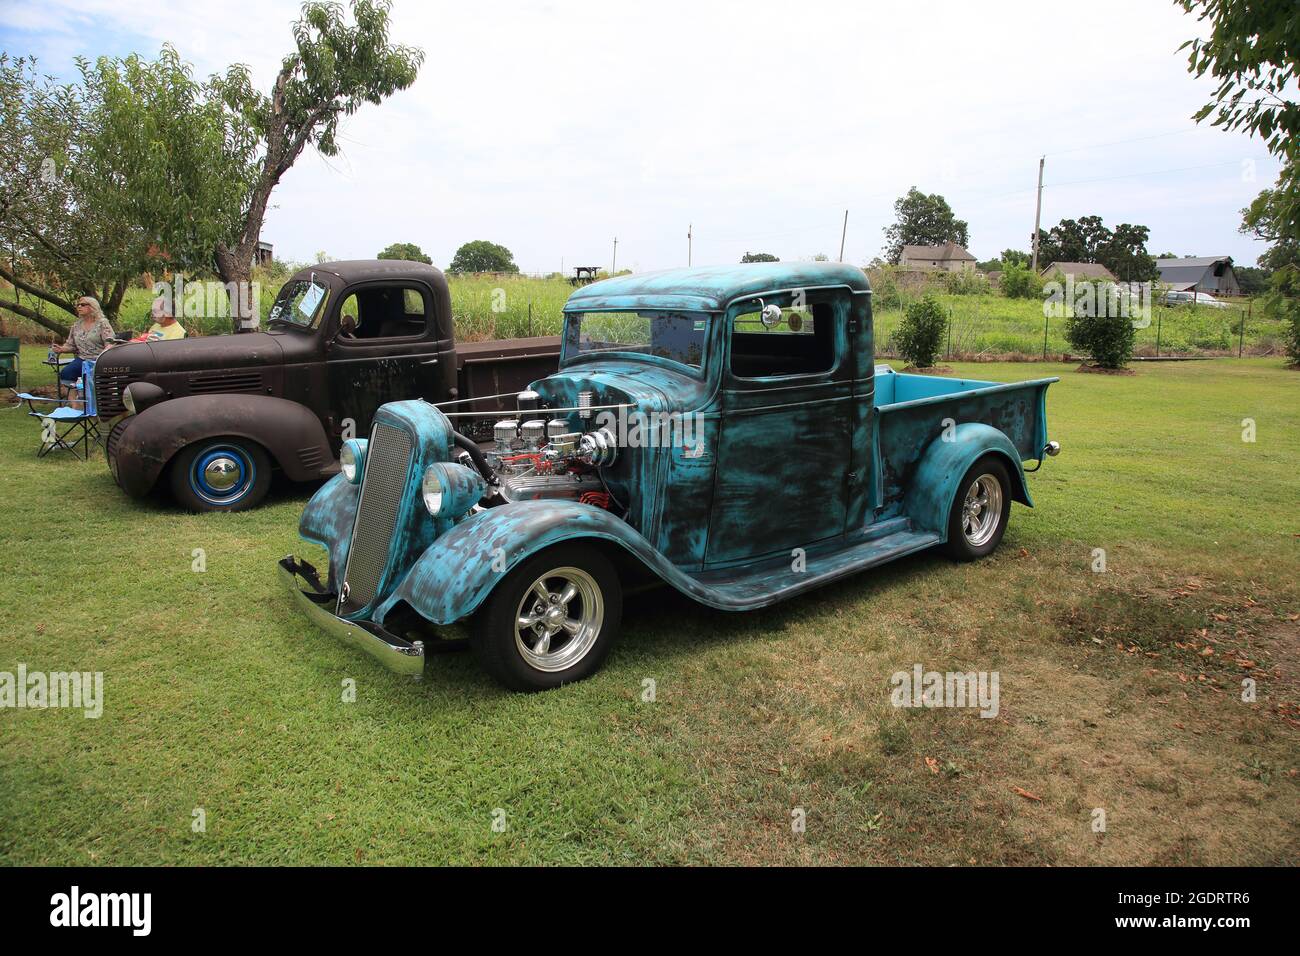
x=981, y=510
x=221, y=474
x=559, y=619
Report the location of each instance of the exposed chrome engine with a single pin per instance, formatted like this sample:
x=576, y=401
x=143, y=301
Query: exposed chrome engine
x=536, y=457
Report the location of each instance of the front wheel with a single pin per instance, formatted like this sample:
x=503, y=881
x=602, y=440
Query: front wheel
x=221, y=474
x=551, y=621
x=980, y=510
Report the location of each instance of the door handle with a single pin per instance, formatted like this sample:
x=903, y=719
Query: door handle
x=432, y=361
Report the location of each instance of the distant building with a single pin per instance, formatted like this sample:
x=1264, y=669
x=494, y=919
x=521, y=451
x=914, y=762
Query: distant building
x=1080, y=270
x=950, y=257
x=1213, y=274
x=263, y=255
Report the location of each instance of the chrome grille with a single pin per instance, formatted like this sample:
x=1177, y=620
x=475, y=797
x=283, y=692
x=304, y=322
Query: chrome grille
x=388, y=460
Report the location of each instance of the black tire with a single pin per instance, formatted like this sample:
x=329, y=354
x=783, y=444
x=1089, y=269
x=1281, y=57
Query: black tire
x=962, y=544
x=596, y=608
x=190, y=477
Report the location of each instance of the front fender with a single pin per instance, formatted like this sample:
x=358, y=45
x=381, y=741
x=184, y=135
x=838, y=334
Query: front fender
x=451, y=578
x=328, y=519
x=291, y=434
x=935, y=485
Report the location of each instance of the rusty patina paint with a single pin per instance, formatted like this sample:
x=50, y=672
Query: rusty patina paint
x=851, y=466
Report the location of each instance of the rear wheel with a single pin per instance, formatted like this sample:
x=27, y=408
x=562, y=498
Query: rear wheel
x=979, y=512
x=221, y=474
x=551, y=621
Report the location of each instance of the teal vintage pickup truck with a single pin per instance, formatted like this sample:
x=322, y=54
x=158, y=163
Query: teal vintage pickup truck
x=723, y=431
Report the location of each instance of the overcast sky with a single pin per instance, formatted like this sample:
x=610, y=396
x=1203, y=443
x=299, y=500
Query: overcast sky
x=555, y=127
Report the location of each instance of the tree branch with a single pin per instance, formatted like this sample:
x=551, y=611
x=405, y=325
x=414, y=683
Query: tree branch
x=27, y=287
x=18, y=308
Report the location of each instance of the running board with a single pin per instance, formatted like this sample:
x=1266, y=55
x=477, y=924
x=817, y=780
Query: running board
x=782, y=578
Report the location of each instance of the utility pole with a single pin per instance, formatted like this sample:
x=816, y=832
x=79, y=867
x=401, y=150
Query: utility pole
x=843, y=233
x=1038, y=212
x=613, y=266
x=690, y=228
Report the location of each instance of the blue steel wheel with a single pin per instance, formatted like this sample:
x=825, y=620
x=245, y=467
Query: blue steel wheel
x=221, y=474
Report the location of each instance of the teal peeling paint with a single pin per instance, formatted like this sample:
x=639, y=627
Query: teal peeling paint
x=849, y=465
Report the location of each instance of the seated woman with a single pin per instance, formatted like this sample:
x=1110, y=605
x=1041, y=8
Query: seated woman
x=89, y=337
x=165, y=326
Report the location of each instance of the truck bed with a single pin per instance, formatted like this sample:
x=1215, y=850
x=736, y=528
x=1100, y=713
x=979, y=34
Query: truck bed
x=503, y=367
x=913, y=410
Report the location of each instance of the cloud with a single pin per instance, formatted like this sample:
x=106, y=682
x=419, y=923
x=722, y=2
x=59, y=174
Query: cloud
x=554, y=127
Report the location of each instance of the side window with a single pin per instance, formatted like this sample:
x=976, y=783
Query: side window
x=801, y=343
x=383, y=312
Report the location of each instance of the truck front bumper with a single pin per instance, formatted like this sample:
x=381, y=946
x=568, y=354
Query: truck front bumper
x=300, y=578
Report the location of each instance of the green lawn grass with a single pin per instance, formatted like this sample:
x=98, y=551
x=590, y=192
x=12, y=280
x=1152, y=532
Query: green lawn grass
x=218, y=697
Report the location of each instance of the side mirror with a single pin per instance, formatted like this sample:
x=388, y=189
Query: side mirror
x=770, y=316
x=347, y=325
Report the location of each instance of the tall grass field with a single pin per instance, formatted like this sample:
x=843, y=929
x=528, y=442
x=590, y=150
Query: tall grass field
x=981, y=327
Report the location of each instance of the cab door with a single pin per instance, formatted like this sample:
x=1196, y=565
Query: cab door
x=787, y=400
x=386, y=346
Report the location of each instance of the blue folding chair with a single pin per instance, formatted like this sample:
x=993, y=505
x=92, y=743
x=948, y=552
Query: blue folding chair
x=63, y=421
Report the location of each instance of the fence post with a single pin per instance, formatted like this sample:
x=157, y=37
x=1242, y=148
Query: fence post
x=530, y=317
x=1158, y=319
x=1045, y=320
x=1241, y=334
x=950, y=333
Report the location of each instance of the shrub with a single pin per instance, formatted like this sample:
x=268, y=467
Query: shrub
x=884, y=287
x=920, y=334
x=966, y=282
x=1020, y=282
x=1107, y=338
x=1283, y=302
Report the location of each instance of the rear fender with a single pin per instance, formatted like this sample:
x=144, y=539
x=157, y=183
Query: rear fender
x=291, y=434
x=934, y=488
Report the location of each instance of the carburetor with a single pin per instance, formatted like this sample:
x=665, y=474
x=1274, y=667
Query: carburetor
x=539, y=458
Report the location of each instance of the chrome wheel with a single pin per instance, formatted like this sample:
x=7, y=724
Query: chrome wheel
x=559, y=619
x=981, y=511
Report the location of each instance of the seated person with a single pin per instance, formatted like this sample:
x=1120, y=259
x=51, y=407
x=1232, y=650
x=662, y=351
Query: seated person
x=164, y=326
x=89, y=337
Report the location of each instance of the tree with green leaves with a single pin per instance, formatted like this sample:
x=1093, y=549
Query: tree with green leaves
x=406, y=251
x=1265, y=218
x=336, y=68
x=759, y=257
x=922, y=220
x=134, y=167
x=1253, y=51
x=1123, y=251
x=482, y=256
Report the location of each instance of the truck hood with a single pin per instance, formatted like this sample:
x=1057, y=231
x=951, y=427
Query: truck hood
x=216, y=352
x=651, y=388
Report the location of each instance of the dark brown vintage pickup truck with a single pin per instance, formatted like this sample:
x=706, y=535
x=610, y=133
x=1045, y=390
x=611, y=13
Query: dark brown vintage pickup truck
x=210, y=418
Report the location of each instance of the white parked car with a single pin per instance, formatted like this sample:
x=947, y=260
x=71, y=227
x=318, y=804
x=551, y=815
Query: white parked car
x=1197, y=298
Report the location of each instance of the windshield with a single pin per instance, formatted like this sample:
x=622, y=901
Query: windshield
x=676, y=336
x=300, y=302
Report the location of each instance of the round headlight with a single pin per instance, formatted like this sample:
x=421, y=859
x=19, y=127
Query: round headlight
x=140, y=396
x=352, y=459
x=449, y=490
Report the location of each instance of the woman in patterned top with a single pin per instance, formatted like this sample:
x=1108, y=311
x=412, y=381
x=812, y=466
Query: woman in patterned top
x=90, y=336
